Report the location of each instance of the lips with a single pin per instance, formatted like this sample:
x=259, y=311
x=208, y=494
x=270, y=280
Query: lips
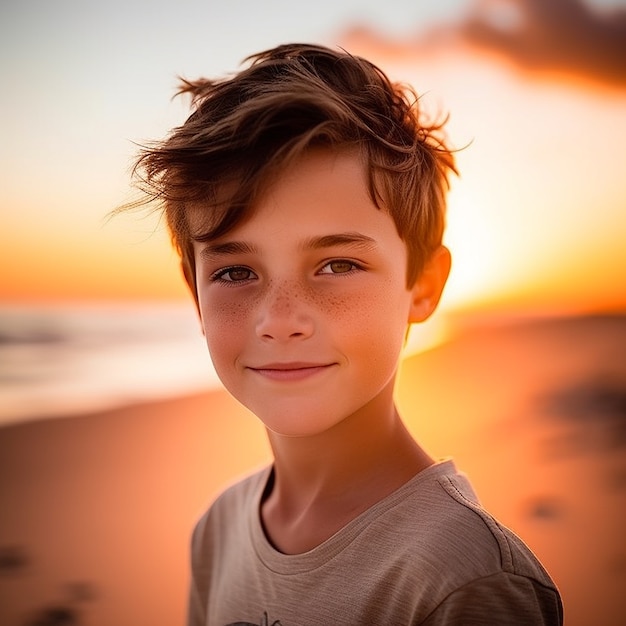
x=290, y=371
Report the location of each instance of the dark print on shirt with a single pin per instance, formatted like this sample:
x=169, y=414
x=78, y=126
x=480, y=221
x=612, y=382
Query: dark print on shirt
x=264, y=622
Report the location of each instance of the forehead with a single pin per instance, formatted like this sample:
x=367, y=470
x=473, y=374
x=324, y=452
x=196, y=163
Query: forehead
x=321, y=187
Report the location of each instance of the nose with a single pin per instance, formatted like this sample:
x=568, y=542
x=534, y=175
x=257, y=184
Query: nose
x=283, y=314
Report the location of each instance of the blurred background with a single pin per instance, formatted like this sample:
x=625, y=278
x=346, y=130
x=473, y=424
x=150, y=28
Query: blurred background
x=114, y=432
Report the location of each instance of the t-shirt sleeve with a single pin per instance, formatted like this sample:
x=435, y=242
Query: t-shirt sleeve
x=196, y=607
x=501, y=598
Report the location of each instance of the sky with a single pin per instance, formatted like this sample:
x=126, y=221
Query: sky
x=535, y=91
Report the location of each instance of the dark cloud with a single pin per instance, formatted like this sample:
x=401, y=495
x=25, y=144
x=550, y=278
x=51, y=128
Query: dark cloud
x=568, y=37
x=552, y=35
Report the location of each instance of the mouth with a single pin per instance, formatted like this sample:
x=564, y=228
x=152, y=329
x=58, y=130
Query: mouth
x=290, y=371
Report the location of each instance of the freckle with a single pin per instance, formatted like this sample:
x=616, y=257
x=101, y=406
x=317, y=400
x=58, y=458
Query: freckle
x=229, y=313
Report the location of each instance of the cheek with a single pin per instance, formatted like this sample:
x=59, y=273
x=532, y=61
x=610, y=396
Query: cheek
x=223, y=320
x=334, y=305
x=378, y=307
x=359, y=312
x=223, y=313
x=378, y=323
x=357, y=301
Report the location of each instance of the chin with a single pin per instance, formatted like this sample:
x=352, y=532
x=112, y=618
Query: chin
x=297, y=423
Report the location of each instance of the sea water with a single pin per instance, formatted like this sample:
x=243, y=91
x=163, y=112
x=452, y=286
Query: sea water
x=58, y=361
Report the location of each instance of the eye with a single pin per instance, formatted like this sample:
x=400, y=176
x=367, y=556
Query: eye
x=339, y=266
x=235, y=274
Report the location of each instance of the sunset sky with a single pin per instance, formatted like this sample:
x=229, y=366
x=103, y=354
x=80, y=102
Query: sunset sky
x=536, y=92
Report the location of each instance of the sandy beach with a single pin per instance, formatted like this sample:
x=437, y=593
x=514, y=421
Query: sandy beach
x=97, y=509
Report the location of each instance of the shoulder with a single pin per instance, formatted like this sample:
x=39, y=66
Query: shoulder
x=472, y=523
x=436, y=520
x=440, y=509
x=476, y=565
x=230, y=508
x=501, y=598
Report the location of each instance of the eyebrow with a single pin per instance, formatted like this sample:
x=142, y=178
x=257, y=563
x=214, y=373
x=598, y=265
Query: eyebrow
x=350, y=239
x=218, y=250
x=353, y=240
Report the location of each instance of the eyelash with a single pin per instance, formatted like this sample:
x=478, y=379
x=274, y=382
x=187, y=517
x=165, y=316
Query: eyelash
x=218, y=276
x=354, y=267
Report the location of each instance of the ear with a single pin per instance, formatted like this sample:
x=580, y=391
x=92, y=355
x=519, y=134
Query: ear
x=429, y=285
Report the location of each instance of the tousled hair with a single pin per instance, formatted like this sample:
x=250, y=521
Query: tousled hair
x=246, y=128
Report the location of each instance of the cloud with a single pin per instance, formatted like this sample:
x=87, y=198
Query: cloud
x=552, y=35
x=538, y=36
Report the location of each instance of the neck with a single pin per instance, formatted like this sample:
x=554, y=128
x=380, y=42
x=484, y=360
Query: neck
x=366, y=456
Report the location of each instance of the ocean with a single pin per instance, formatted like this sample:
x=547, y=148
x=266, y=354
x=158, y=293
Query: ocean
x=74, y=359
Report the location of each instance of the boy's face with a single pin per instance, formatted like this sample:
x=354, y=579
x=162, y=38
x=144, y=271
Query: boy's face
x=304, y=305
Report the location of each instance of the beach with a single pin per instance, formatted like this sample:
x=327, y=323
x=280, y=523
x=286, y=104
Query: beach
x=97, y=509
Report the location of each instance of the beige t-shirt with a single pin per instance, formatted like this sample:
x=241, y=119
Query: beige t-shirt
x=425, y=554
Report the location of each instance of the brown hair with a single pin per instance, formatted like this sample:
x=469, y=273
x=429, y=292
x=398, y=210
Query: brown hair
x=245, y=128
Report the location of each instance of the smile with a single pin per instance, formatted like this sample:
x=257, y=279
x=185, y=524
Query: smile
x=290, y=371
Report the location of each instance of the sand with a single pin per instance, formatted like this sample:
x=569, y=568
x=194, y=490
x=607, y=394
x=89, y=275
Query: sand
x=97, y=510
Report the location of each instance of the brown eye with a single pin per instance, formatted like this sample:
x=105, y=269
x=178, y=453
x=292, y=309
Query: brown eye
x=340, y=267
x=234, y=275
x=238, y=273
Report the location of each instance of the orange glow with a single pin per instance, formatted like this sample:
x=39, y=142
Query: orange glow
x=68, y=265
x=535, y=221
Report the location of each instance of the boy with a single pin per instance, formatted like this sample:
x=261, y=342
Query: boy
x=306, y=197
